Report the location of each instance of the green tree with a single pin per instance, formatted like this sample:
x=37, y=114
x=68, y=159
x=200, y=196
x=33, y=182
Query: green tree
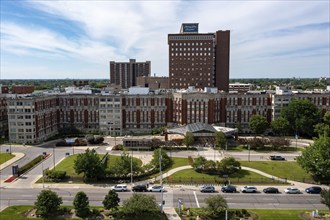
x=315, y=159
x=166, y=160
x=215, y=205
x=81, y=204
x=89, y=163
x=229, y=165
x=220, y=140
x=111, y=200
x=140, y=203
x=326, y=118
x=48, y=203
x=199, y=162
x=322, y=129
x=258, y=124
x=302, y=115
x=325, y=197
x=123, y=165
x=189, y=139
x=280, y=126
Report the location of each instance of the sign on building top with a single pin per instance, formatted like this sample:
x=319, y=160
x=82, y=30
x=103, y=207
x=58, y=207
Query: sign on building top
x=189, y=28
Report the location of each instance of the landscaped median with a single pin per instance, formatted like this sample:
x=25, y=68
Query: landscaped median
x=27, y=167
x=4, y=157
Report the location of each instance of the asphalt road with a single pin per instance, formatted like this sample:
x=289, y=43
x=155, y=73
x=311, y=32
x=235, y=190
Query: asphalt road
x=190, y=198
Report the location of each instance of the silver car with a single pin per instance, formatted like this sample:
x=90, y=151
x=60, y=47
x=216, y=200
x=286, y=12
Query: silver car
x=119, y=187
x=249, y=189
x=292, y=190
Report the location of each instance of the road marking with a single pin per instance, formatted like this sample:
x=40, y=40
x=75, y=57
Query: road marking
x=197, y=203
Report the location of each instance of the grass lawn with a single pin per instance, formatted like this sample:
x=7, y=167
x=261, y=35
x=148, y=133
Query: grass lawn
x=283, y=169
x=67, y=164
x=274, y=214
x=241, y=177
x=15, y=212
x=265, y=149
x=5, y=157
x=177, y=162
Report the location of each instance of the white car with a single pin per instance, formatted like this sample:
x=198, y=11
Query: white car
x=156, y=188
x=119, y=187
x=249, y=189
x=292, y=190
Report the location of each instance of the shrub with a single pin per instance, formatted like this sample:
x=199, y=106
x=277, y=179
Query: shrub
x=56, y=175
x=118, y=147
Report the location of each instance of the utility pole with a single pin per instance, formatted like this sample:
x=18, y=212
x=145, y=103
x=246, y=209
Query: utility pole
x=161, y=179
x=54, y=156
x=132, y=167
x=249, y=153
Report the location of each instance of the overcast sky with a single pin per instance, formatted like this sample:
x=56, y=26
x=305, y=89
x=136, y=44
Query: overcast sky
x=77, y=39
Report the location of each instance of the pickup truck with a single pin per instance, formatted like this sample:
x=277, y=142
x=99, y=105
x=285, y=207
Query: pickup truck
x=276, y=157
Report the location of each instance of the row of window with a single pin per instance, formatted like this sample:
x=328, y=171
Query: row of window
x=192, y=49
x=190, y=54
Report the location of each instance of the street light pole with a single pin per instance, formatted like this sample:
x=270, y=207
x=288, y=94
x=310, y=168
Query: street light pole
x=161, y=179
x=132, y=167
x=249, y=152
x=42, y=170
x=54, y=156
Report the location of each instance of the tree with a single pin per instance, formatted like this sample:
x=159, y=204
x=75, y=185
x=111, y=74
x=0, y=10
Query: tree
x=258, y=124
x=81, y=204
x=322, y=129
x=123, y=165
x=48, y=203
x=229, y=165
x=326, y=118
x=220, y=140
x=302, y=115
x=325, y=197
x=199, y=162
x=89, y=163
x=166, y=160
x=111, y=200
x=140, y=203
x=315, y=159
x=216, y=205
x=280, y=126
x=188, y=139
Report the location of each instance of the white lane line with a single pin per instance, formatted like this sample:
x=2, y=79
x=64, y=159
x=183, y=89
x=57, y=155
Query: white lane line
x=196, y=199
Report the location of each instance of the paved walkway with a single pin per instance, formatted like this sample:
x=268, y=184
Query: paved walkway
x=171, y=213
x=17, y=157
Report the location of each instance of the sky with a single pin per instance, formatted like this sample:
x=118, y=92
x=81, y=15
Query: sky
x=77, y=39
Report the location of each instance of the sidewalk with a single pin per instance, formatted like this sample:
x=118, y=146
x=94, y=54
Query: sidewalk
x=171, y=213
x=17, y=157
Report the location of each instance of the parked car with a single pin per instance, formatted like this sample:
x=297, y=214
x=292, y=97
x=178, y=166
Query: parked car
x=230, y=189
x=156, y=188
x=119, y=187
x=139, y=188
x=276, y=157
x=292, y=190
x=271, y=190
x=313, y=190
x=249, y=189
x=207, y=189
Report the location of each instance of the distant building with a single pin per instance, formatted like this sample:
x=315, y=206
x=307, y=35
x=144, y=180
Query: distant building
x=79, y=83
x=22, y=89
x=4, y=89
x=125, y=73
x=199, y=59
x=153, y=82
x=241, y=87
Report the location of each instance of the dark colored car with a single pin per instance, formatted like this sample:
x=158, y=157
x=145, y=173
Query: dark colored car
x=228, y=189
x=139, y=188
x=313, y=190
x=276, y=157
x=271, y=190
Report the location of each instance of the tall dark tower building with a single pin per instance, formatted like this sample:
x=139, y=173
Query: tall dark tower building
x=125, y=73
x=198, y=59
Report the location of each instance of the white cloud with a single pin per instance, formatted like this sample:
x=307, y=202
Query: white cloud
x=119, y=30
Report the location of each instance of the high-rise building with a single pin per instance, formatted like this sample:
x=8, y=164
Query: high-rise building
x=125, y=73
x=199, y=59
